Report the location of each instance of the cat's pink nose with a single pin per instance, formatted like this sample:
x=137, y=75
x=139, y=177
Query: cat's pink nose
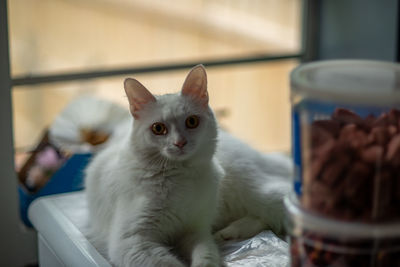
x=180, y=143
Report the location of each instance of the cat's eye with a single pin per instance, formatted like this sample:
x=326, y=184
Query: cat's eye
x=192, y=121
x=159, y=128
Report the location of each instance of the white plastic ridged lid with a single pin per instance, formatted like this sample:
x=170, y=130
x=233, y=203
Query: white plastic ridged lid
x=300, y=220
x=348, y=81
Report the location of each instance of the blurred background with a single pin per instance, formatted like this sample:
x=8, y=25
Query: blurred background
x=53, y=51
x=63, y=36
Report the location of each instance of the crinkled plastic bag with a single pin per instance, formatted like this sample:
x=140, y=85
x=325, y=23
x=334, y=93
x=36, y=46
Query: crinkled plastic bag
x=263, y=250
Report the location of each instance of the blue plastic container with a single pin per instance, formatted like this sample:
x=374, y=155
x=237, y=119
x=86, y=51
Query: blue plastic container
x=68, y=178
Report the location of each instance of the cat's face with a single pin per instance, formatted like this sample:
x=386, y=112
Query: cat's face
x=175, y=126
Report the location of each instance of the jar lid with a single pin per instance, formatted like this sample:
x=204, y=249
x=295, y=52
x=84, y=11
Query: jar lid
x=348, y=81
x=301, y=220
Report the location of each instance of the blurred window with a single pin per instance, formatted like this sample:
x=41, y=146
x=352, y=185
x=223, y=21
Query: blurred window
x=50, y=37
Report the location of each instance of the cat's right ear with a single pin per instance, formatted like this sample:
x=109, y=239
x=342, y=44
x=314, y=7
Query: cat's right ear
x=195, y=85
x=138, y=96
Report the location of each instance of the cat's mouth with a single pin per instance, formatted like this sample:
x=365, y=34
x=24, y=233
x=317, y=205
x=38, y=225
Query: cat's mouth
x=177, y=153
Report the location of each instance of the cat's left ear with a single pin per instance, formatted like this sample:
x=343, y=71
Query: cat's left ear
x=195, y=85
x=138, y=96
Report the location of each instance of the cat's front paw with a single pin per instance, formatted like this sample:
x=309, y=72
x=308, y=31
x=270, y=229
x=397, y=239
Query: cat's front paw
x=206, y=264
x=226, y=234
x=243, y=228
x=208, y=260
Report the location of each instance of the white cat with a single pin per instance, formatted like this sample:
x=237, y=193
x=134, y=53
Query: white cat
x=169, y=179
x=156, y=189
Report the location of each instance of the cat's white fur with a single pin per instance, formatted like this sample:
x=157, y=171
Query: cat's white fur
x=252, y=190
x=156, y=204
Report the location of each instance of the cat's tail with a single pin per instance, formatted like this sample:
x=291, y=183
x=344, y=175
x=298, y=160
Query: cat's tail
x=86, y=124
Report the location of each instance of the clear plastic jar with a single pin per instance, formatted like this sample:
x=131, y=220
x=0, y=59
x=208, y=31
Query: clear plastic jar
x=346, y=139
x=317, y=241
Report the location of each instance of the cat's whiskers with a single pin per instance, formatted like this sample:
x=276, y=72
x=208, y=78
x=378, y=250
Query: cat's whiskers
x=157, y=161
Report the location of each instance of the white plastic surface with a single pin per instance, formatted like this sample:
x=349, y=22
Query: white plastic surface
x=263, y=250
x=47, y=256
x=61, y=220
